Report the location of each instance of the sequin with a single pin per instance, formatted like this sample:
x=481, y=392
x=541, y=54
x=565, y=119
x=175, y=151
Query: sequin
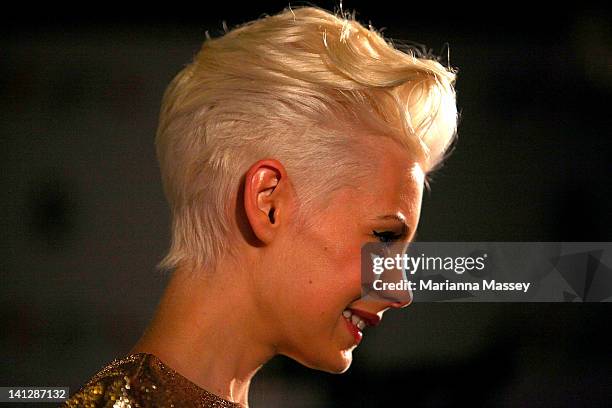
x=142, y=380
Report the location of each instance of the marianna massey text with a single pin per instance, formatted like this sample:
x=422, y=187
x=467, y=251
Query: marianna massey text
x=484, y=285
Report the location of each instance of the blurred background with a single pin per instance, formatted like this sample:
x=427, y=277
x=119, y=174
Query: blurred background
x=84, y=220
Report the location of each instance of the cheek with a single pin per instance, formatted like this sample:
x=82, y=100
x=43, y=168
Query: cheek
x=326, y=279
x=335, y=279
x=325, y=271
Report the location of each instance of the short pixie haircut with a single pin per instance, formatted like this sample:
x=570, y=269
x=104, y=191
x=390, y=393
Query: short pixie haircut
x=305, y=87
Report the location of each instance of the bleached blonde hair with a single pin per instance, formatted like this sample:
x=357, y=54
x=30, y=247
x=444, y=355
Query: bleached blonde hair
x=302, y=86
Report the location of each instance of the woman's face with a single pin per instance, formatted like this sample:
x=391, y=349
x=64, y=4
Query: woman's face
x=316, y=272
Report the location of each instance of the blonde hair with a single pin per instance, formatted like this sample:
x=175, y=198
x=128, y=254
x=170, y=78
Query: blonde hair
x=301, y=86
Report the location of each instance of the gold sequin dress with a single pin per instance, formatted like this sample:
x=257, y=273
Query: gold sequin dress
x=142, y=380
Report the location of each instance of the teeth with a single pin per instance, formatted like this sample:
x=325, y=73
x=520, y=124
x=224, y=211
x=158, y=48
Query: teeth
x=356, y=320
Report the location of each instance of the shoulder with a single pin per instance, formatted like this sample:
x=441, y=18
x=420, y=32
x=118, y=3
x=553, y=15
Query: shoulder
x=115, y=385
x=142, y=380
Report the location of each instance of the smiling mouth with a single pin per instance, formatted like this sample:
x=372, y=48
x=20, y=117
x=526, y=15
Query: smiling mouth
x=354, y=319
x=357, y=321
x=354, y=325
x=370, y=319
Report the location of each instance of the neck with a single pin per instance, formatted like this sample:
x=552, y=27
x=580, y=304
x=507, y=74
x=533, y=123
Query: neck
x=207, y=331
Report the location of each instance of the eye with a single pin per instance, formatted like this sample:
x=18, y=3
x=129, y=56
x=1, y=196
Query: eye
x=387, y=236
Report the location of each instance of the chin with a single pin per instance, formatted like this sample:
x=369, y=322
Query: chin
x=340, y=363
x=338, y=369
x=337, y=363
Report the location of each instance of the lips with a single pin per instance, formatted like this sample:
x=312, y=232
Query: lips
x=357, y=334
x=370, y=319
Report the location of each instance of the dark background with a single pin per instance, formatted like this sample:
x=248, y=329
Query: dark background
x=84, y=220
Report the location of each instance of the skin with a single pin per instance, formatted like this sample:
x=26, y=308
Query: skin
x=286, y=290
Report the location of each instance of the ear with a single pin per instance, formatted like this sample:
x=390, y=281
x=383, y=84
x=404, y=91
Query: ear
x=266, y=198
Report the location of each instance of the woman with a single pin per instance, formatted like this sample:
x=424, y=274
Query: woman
x=286, y=145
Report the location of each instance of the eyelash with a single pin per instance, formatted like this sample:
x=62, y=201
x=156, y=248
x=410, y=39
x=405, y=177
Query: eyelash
x=387, y=236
